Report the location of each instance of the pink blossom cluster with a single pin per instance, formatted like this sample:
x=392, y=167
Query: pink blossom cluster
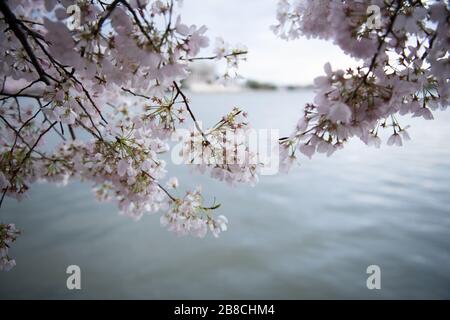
x=405, y=70
x=8, y=234
x=104, y=77
x=232, y=56
x=189, y=216
x=224, y=150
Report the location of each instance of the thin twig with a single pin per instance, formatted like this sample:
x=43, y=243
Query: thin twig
x=185, y=101
x=215, y=57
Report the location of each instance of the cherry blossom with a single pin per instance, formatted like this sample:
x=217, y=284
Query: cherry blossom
x=189, y=216
x=109, y=87
x=404, y=70
x=224, y=150
x=8, y=234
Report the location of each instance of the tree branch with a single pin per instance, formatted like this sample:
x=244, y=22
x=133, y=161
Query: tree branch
x=13, y=23
x=179, y=92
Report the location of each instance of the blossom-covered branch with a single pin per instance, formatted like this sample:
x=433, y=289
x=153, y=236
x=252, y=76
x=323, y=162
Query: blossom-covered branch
x=405, y=69
x=107, y=83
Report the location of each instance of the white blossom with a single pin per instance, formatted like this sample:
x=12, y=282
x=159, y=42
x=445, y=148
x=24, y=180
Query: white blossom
x=8, y=234
x=110, y=88
x=404, y=69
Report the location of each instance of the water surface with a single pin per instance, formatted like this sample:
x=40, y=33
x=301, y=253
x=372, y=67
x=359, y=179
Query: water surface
x=309, y=234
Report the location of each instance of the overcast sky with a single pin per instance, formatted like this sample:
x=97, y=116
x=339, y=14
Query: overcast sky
x=270, y=58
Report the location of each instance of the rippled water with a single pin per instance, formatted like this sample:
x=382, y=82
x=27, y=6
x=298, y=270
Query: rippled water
x=309, y=234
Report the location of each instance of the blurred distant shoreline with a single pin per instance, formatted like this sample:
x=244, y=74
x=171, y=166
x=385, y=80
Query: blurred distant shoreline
x=204, y=78
x=249, y=85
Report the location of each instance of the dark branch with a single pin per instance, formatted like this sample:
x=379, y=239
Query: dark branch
x=13, y=23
